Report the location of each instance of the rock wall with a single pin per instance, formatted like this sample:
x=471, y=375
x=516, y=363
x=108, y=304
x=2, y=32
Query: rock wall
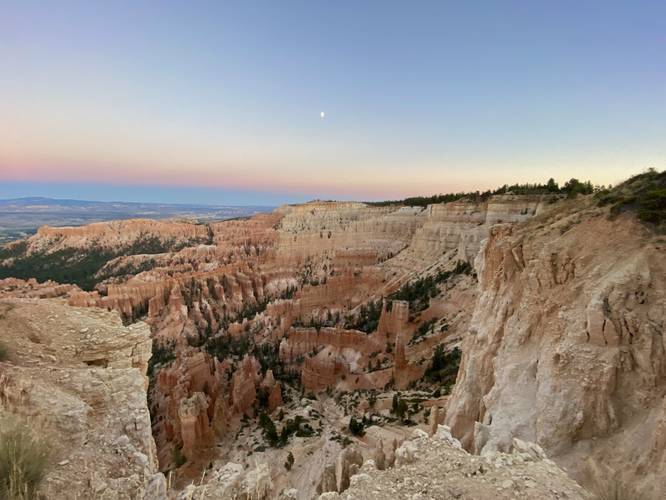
x=337, y=228
x=457, y=228
x=566, y=347
x=76, y=378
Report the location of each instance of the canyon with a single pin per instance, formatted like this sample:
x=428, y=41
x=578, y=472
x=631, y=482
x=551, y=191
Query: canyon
x=512, y=342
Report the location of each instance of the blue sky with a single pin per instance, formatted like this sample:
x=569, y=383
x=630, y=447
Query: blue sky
x=206, y=100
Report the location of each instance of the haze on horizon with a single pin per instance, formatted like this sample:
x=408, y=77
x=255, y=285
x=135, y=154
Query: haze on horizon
x=272, y=102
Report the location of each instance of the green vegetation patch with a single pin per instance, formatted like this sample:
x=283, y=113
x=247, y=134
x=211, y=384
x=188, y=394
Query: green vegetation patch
x=13, y=250
x=571, y=188
x=24, y=458
x=163, y=354
x=129, y=269
x=643, y=194
x=423, y=330
x=298, y=426
x=367, y=319
x=443, y=369
x=418, y=293
x=268, y=354
x=177, y=457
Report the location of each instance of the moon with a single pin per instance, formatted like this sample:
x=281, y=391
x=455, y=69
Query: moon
x=322, y=114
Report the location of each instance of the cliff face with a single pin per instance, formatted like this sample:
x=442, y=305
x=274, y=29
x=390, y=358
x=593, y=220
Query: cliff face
x=76, y=378
x=116, y=234
x=566, y=346
x=355, y=232
x=456, y=229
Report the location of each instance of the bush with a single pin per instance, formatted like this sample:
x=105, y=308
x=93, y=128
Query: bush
x=23, y=462
x=269, y=431
x=644, y=194
x=423, y=329
x=177, y=457
x=399, y=407
x=356, y=427
x=652, y=208
x=4, y=351
x=298, y=425
x=418, y=293
x=290, y=461
x=71, y=265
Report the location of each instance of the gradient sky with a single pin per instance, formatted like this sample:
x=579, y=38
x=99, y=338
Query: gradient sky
x=130, y=100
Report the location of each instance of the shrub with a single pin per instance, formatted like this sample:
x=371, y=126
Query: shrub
x=356, y=427
x=290, y=461
x=644, y=194
x=652, y=207
x=268, y=429
x=262, y=397
x=399, y=407
x=4, y=351
x=423, y=329
x=23, y=462
x=71, y=265
x=418, y=293
x=177, y=456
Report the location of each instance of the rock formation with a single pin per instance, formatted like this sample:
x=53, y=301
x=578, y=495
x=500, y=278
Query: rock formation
x=76, y=377
x=566, y=347
x=438, y=467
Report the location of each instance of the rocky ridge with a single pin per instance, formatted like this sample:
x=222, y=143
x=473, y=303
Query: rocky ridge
x=438, y=467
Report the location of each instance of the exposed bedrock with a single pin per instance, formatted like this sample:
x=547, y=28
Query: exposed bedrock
x=566, y=347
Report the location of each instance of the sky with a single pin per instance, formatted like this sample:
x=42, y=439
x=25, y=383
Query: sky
x=220, y=102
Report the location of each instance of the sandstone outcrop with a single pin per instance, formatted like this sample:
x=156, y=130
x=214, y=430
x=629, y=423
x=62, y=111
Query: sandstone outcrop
x=76, y=377
x=13, y=287
x=232, y=482
x=438, y=467
x=566, y=347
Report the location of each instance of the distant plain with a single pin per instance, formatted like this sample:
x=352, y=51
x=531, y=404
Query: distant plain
x=22, y=217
